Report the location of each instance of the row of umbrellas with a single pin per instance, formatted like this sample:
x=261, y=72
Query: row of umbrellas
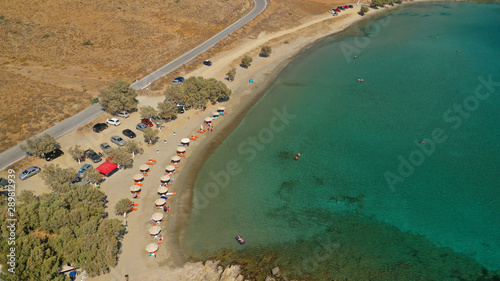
x=156, y=217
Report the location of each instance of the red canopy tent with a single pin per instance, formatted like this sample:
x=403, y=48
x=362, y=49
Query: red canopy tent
x=107, y=168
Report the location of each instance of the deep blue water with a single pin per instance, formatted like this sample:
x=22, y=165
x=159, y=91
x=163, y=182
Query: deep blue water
x=426, y=69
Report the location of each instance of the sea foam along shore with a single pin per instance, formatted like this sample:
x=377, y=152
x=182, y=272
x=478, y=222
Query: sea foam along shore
x=174, y=265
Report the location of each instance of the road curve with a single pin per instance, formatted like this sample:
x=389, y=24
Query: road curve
x=260, y=6
x=14, y=154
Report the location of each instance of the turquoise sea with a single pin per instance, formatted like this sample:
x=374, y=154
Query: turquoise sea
x=367, y=200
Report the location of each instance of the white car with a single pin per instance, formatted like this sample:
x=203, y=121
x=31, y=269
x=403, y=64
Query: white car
x=122, y=114
x=113, y=121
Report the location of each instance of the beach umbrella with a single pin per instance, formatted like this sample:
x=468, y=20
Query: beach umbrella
x=160, y=202
x=175, y=159
x=208, y=119
x=221, y=108
x=169, y=168
x=215, y=113
x=135, y=188
x=181, y=149
x=185, y=140
x=162, y=190
x=138, y=177
x=165, y=178
x=151, y=248
x=154, y=230
x=157, y=216
x=144, y=168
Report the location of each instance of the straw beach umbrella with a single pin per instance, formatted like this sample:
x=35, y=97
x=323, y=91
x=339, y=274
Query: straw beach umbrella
x=170, y=169
x=208, y=120
x=215, y=114
x=139, y=177
x=175, y=159
x=185, y=141
x=181, y=149
x=221, y=109
x=157, y=216
x=160, y=202
x=154, y=230
x=165, y=179
x=135, y=188
x=151, y=248
x=144, y=168
x=162, y=190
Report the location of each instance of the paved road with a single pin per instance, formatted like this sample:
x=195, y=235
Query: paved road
x=15, y=153
x=260, y=6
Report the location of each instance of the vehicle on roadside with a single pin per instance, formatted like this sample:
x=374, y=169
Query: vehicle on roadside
x=141, y=126
x=118, y=140
x=350, y=6
x=178, y=80
x=129, y=133
x=31, y=171
x=180, y=109
x=53, y=154
x=99, y=127
x=147, y=122
x=113, y=121
x=83, y=169
x=122, y=114
x=89, y=153
x=4, y=182
x=207, y=63
x=105, y=146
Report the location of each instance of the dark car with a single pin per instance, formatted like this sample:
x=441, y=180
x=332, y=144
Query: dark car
x=207, y=63
x=129, y=133
x=180, y=109
x=147, y=122
x=53, y=154
x=223, y=99
x=4, y=182
x=178, y=80
x=89, y=153
x=99, y=127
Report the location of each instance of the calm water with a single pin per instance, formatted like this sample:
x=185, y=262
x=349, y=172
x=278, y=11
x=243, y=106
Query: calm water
x=366, y=197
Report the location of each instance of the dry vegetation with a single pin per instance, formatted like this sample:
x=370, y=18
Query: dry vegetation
x=54, y=56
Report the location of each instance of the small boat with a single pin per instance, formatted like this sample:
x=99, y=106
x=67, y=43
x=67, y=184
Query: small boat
x=240, y=240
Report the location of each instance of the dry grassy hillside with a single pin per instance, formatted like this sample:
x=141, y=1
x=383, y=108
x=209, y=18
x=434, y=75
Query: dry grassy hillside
x=65, y=51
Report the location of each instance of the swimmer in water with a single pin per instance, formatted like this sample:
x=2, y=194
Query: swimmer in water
x=297, y=156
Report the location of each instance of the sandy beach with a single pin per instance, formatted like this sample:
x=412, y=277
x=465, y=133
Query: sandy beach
x=170, y=263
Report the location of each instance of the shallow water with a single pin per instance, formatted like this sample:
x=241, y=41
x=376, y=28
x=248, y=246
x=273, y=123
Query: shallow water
x=364, y=183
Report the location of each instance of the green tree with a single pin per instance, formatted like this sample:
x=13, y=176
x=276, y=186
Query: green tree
x=266, y=51
x=246, y=61
x=118, y=96
x=38, y=146
x=123, y=206
x=167, y=110
x=364, y=9
x=93, y=175
x=76, y=152
x=195, y=92
x=150, y=135
x=216, y=89
x=121, y=156
x=55, y=176
x=148, y=112
x=231, y=74
x=134, y=147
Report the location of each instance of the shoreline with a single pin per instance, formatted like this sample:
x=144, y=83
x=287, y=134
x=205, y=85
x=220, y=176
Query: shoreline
x=238, y=111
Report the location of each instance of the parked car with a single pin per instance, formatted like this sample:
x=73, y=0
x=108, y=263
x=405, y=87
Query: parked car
x=118, y=140
x=31, y=171
x=180, y=109
x=129, y=133
x=89, y=153
x=113, y=121
x=105, y=146
x=83, y=169
x=207, y=63
x=53, y=154
x=122, y=114
x=4, y=182
x=99, y=127
x=223, y=99
x=147, y=122
x=178, y=80
x=141, y=126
